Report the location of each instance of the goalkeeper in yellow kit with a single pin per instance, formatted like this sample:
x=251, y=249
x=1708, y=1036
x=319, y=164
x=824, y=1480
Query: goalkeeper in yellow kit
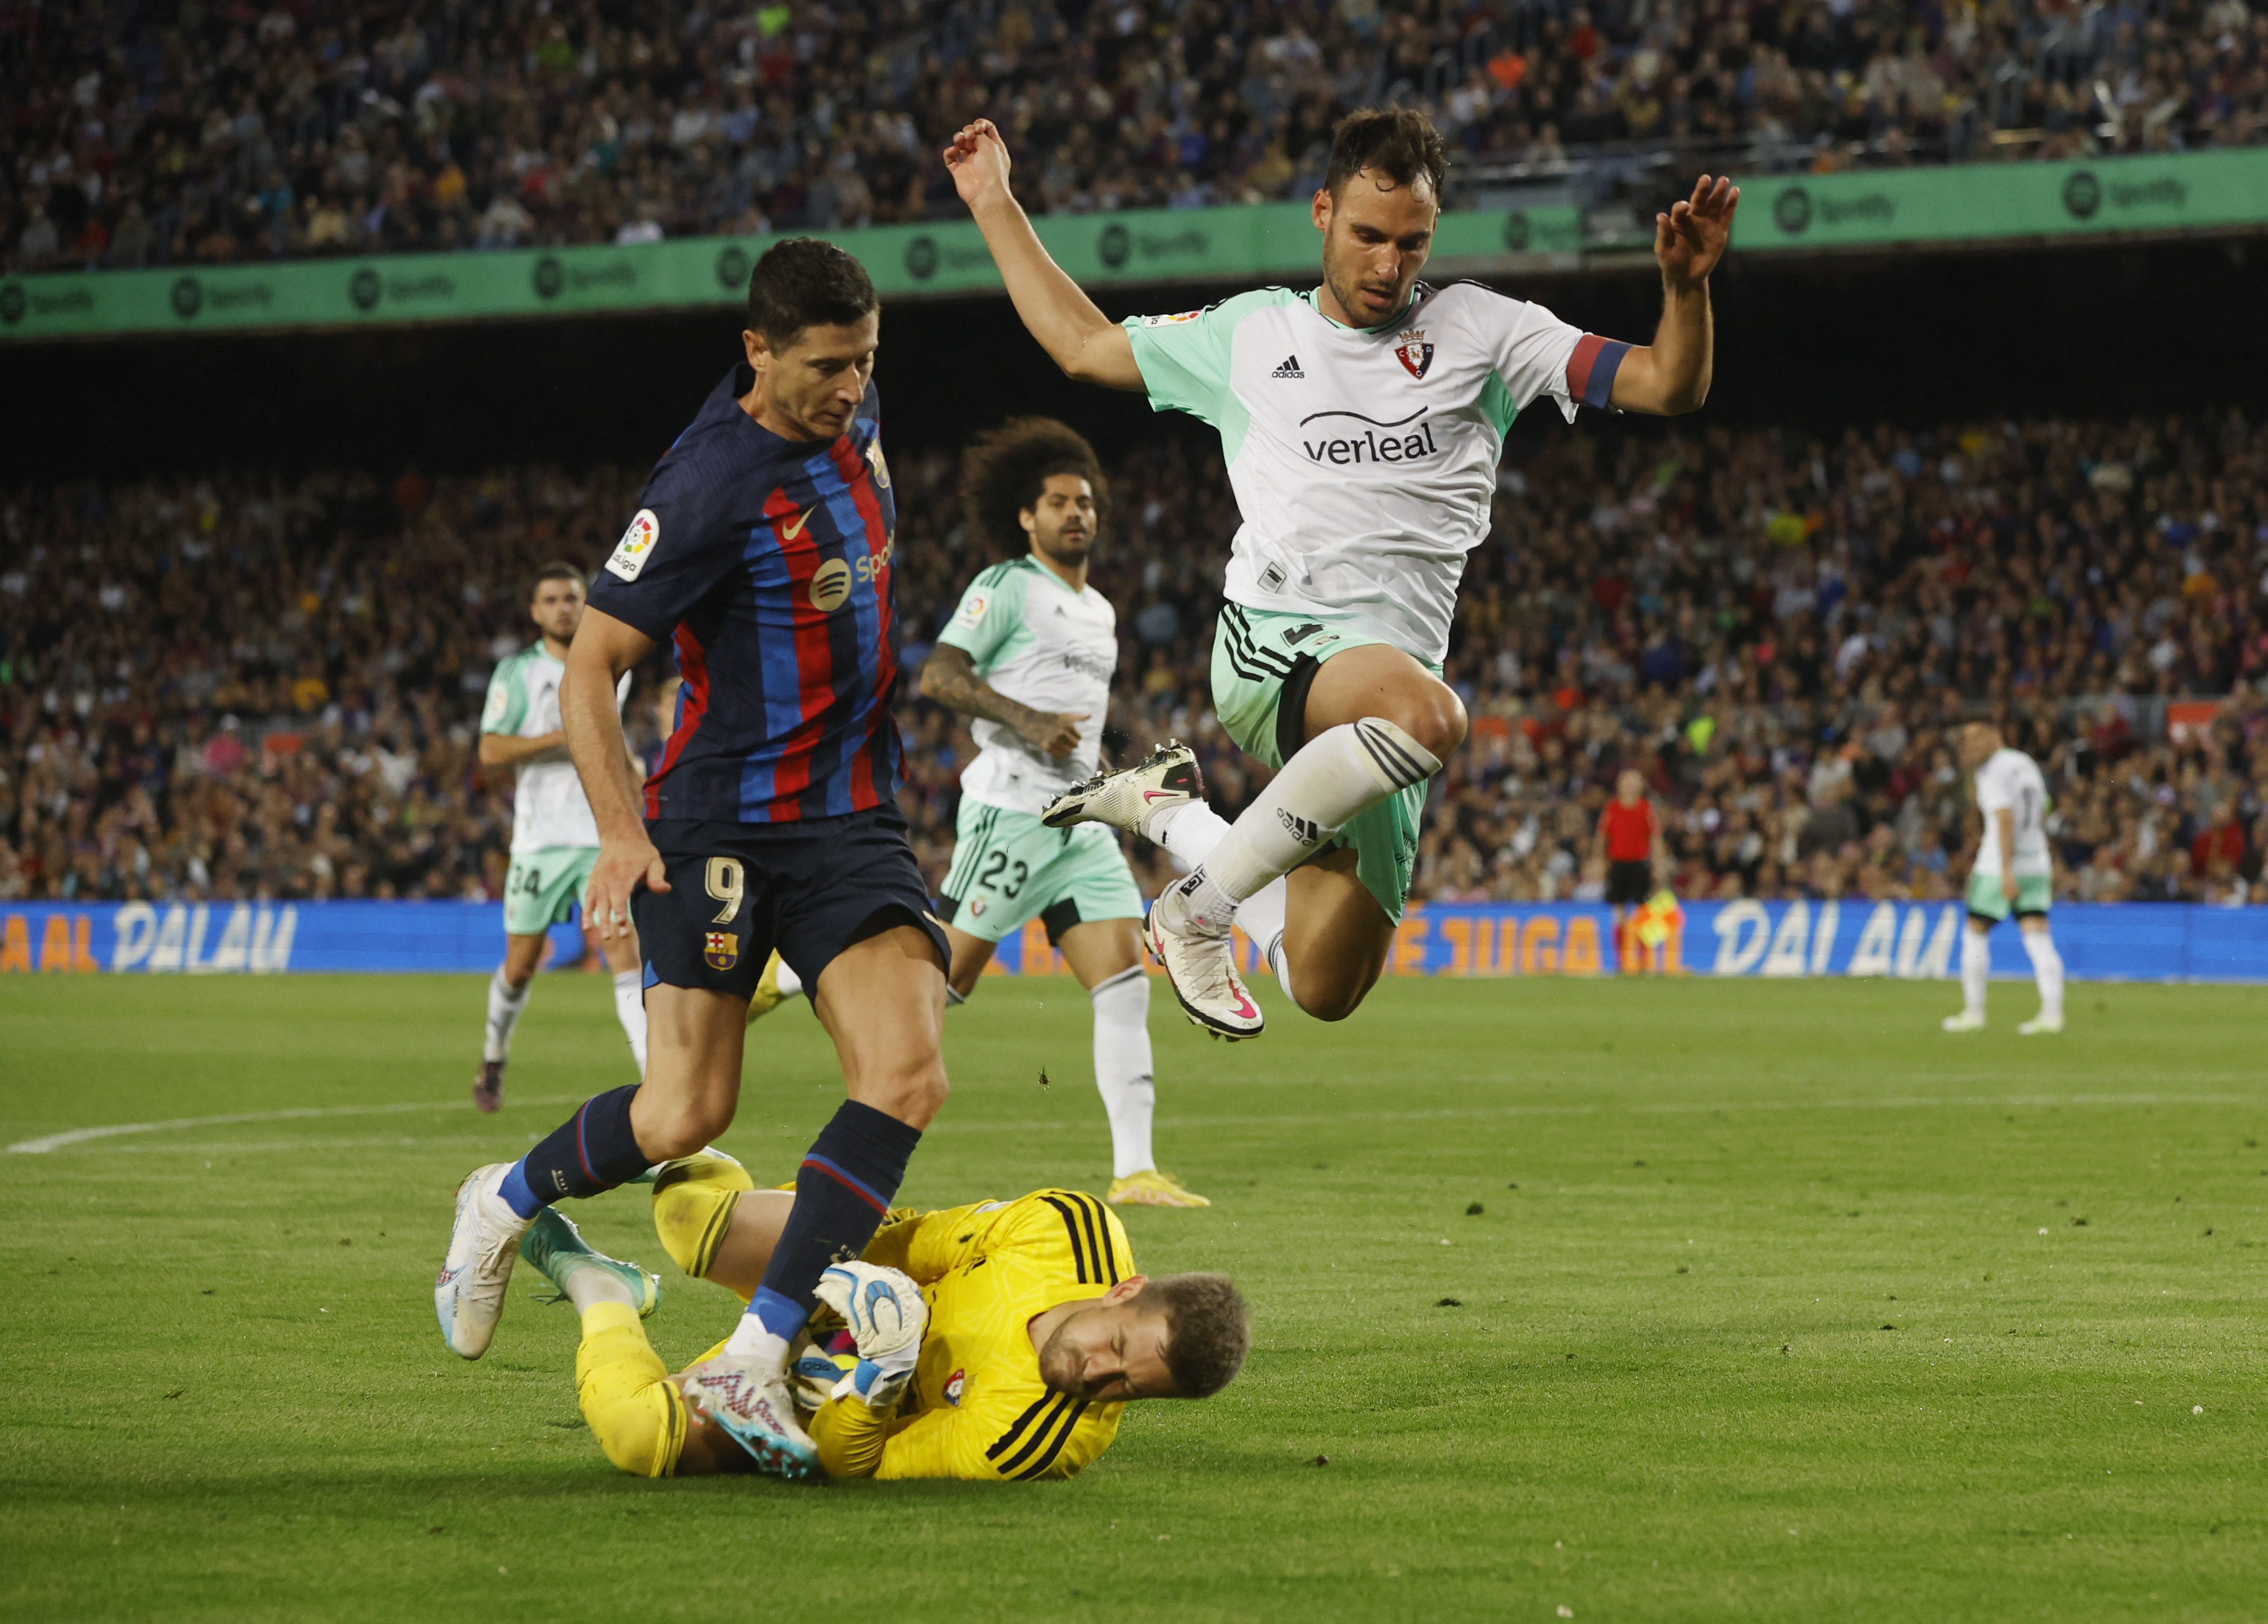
x=995, y=1341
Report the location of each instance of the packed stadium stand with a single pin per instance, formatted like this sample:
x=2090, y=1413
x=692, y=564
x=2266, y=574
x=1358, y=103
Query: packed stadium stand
x=235, y=687
x=160, y=133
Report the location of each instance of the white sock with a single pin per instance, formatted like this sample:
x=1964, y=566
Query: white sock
x=751, y=1338
x=1976, y=969
x=506, y=1006
x=1121, y=1068
x=1190, y=831
x=629, y=1009
x=790, y=982
x=1334, y=778
x=2047, y=970
x=1262, y=916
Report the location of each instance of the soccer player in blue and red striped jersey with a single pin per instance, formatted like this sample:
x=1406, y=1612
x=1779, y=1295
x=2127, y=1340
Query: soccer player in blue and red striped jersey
x=761, y=550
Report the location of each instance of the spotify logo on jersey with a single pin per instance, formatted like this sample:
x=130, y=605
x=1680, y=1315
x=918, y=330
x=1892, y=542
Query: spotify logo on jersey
x=831, y=586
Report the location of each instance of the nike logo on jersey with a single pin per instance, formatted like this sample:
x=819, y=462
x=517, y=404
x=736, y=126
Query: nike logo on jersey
x=790, y=532
x=1290, y=368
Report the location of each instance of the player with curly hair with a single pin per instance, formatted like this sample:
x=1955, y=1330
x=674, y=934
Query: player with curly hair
x=1029, y=654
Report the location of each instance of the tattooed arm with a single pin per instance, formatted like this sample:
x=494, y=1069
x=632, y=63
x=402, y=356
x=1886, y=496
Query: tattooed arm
x=949, y=676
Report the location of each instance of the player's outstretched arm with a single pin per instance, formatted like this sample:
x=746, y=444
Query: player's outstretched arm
x=1672, y=374
x=949, y=677
x=1086, y=343
x=603, y=649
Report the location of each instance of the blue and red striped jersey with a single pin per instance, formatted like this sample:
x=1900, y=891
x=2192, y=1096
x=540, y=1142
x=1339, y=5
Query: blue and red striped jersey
x=767, y=561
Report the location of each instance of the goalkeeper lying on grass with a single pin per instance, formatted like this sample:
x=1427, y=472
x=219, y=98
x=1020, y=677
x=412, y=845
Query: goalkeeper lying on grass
x=993, y=1341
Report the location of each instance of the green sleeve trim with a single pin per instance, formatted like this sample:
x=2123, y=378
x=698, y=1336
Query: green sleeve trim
x=1498, y=405
x=506, y=711
x=990, y=615
x=1184, y=361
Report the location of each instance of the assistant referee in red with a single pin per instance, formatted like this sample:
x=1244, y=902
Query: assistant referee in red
x=1630, y=831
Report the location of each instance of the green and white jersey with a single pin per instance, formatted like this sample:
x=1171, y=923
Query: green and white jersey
x=548, y=808
x=1035, y=640
x=2010, y=781
x=1364, y=461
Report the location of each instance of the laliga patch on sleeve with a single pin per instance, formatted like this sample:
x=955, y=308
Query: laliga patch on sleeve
x=972, y=609
x=637, y=541
x=1186, y=315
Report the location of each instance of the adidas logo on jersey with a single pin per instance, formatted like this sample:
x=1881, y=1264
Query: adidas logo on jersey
x=1300, y=829
x=1290, y=368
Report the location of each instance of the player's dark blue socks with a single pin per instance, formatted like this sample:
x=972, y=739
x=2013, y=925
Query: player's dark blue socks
x=842, y=1189
x=592, y=1151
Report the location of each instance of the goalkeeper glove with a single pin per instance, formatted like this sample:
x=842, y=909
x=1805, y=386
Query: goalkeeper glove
x=884, y=1310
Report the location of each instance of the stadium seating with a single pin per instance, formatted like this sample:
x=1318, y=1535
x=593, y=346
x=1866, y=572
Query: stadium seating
x=211, y=133
x=269, y=687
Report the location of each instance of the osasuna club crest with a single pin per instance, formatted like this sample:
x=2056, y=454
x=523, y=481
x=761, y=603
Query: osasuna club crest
x=1415, y=354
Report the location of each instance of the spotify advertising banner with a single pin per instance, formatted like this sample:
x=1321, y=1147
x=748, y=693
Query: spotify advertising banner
x=1253, y=243
x=1980, y=202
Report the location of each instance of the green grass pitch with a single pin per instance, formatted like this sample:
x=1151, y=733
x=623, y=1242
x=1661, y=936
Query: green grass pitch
x=1771, y=1302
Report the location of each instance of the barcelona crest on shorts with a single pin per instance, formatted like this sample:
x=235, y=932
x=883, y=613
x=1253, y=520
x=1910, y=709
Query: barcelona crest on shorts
x=720, y=949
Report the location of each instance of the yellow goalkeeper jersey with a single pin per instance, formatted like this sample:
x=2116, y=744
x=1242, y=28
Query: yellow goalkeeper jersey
x=976, y=1408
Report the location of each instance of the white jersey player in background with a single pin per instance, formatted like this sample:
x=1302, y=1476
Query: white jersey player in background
x=2013, y=871
x=1029, y=654
x=1362, y=422
x=555, y=839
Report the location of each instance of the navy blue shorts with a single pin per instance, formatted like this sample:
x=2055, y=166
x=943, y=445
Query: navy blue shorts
x=808, y=889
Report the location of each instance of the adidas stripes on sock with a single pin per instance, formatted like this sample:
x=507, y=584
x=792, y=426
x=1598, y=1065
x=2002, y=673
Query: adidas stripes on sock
x=1335, y=777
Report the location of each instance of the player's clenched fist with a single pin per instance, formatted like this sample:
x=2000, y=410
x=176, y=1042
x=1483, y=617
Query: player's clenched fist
x=979, y=162
x=623, y=865
x=886, y=1316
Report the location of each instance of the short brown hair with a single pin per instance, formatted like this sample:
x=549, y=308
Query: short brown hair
x=1006, y=469
x=558, y=569
x=807, y=282
x=1207, y=1331
x=1400, y=142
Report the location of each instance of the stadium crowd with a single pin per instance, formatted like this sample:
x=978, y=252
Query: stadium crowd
x=216, y=130
x=243, y=687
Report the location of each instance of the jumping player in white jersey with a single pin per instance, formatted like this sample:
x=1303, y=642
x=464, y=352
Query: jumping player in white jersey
x=1362, y=421
x=555, y=839
x=2013, y=871
x=1029, y=654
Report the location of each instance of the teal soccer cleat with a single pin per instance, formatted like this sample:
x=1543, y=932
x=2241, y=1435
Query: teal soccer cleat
x=555, y=1248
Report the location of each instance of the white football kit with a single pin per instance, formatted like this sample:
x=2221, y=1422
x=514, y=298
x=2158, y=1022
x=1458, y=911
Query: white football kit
x=2010, y=781
x=548, y=810
x=1039, y=643
x=1364, y=461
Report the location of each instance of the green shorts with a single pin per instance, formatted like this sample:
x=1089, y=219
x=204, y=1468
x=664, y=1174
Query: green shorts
x=542, y=888
x=1009, y=867
x=1260, y=659
x=2035, y=892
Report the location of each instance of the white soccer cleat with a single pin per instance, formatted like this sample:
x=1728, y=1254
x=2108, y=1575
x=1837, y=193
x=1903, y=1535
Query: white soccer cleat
x=756, y=1406
x=1167, y=777
x=1964, y=1022
x=1201, y=966
x=2038, y=1025
x=469, y=1293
